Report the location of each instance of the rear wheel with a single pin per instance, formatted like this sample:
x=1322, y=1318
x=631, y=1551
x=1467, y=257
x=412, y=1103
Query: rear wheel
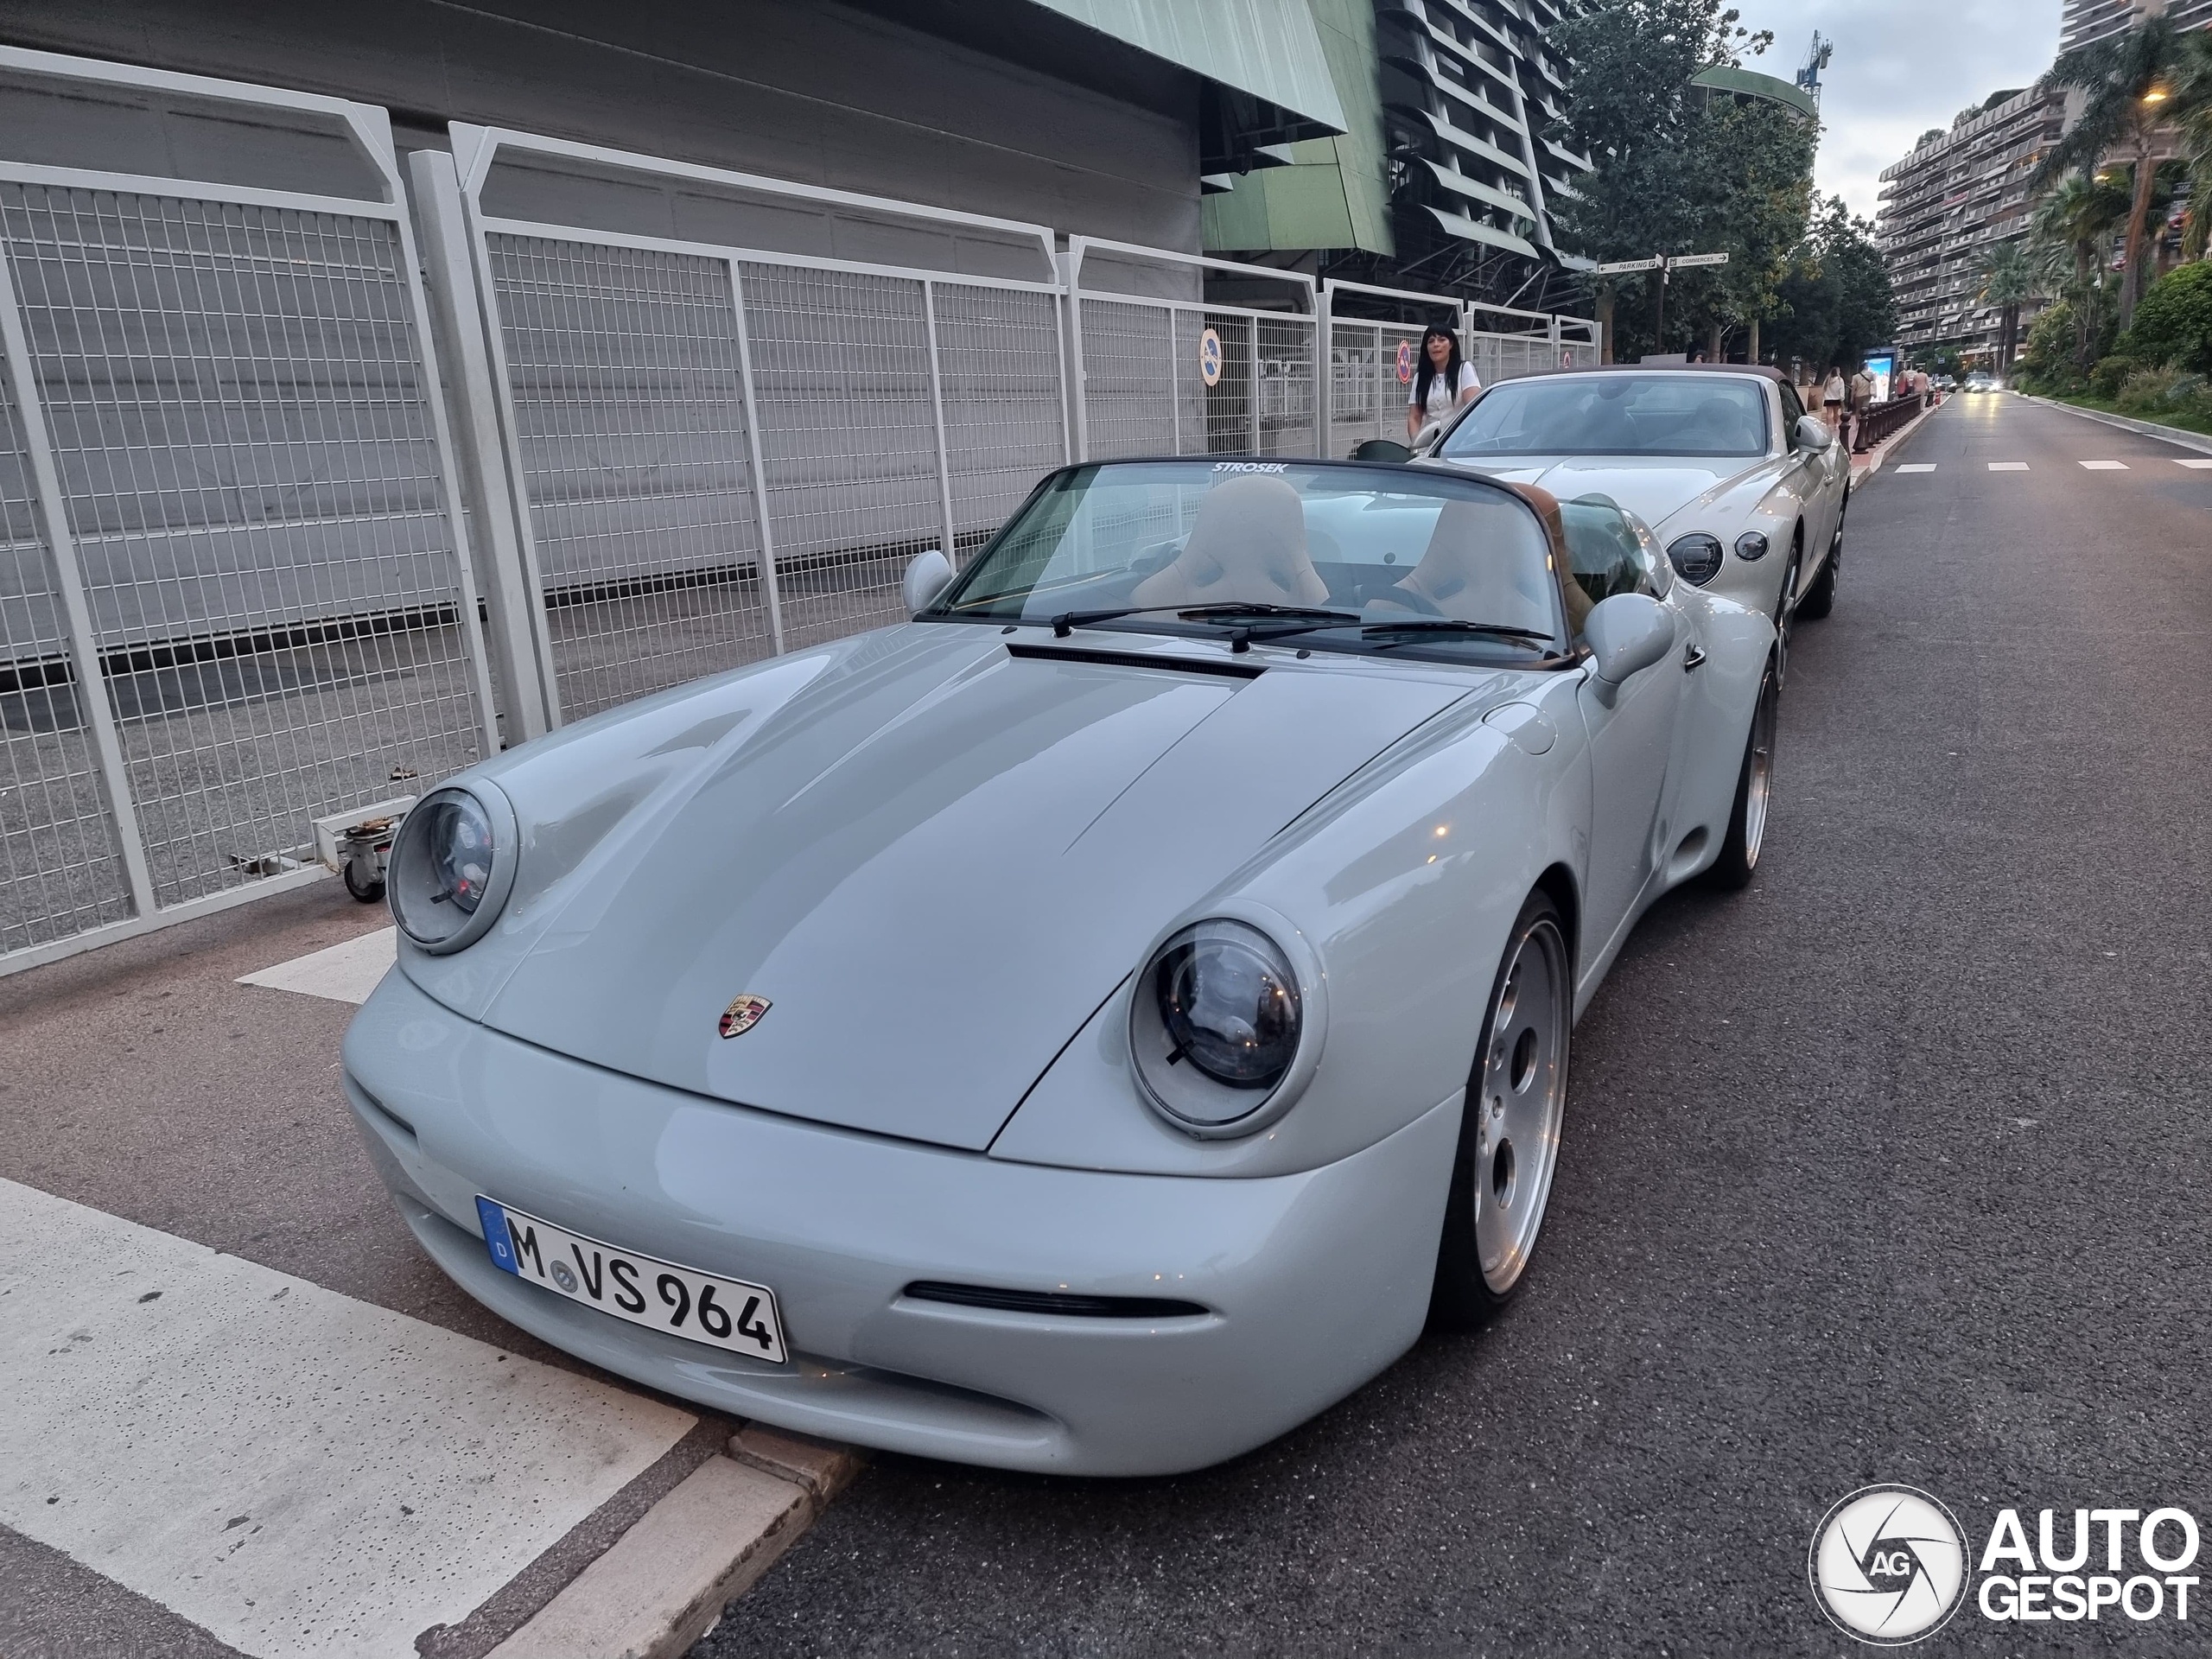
x=1739, y=848
x=1819, y=598
x=1509, y=1131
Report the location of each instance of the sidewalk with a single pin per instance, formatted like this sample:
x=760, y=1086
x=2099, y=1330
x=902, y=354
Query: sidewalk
x=1865, y=467
x=247, y=1416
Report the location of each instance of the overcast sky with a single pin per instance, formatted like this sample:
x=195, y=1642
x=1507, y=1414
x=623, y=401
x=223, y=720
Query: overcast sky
x=1901, y=67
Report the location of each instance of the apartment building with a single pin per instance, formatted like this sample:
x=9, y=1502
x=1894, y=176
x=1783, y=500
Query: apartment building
x=2096, y=19
x=1943, y=208
x=1443, y=171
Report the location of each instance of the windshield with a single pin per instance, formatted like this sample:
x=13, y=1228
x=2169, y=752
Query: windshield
x=1373, y=559
x=1651, y=414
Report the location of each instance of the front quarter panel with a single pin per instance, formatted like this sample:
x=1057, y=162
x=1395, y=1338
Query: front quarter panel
x=1405, y=884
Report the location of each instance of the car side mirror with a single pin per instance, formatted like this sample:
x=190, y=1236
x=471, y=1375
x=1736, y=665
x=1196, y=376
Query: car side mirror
x=1813, y=433
x=927, y=575
x=1426, y=439
x=1381, y=449
x=1626, y=634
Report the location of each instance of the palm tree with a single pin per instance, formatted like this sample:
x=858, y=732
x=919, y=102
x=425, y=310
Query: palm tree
x=2072, y=227
x=2194, y=83
x=2133, y=86
x=2009, y=279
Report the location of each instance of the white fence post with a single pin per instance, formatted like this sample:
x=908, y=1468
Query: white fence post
x=770, y=590
x=514, y=610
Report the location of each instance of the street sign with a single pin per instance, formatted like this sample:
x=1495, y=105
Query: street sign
x=1210, y=357
x=1683, y=260
x=1621, y=267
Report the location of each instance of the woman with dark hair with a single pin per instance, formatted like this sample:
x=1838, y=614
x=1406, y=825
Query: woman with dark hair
x=1445, y=381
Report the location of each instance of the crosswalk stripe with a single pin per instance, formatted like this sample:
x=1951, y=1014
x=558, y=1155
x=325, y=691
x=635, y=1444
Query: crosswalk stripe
x=294, y=1471
x=2201, y=465
x=343, y=973
x=1918, y=467
x=2105, y=466
x=2008, y=466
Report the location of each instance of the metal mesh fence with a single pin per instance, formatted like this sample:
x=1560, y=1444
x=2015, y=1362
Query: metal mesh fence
x=1230, y=419
x=1135, y=371
x=61, y=867
x=999, y=376
x=1507, y=357
x=623, y=374
x=1284, y=386
x=841, y=376
x=248, y=466
x=1366, y=397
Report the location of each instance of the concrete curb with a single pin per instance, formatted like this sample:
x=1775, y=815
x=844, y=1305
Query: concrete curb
x=663, y=1584
x=2196, y=441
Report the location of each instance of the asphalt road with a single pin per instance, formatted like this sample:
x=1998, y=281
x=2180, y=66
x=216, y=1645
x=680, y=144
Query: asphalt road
x=1889, y=1169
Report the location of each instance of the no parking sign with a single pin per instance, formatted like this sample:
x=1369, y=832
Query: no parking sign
x=1405, y=362
x=1210, y=357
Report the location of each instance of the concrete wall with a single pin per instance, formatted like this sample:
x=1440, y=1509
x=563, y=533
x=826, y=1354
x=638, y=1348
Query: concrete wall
x=819, y=92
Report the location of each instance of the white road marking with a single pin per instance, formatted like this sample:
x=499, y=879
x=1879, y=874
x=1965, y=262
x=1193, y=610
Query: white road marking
x=2201, y=465
x=343, y=973
x=1919, y=467
x=2105, y=466
x=2008, y=466
x=294, y=1471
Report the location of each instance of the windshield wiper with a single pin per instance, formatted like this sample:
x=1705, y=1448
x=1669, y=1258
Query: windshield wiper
x=1536, y=639
x=1069, y=620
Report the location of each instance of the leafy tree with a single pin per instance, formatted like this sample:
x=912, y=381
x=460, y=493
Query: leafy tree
x=2193, y=79
x=2173, y=325
x=2009, y=280
x=1837, y=299
x=2048, y=358
x=1678, y=169
x=2072, y=226
x=2133, y=84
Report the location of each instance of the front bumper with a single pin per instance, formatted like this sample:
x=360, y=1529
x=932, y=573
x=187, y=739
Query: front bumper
x=1312, y=1282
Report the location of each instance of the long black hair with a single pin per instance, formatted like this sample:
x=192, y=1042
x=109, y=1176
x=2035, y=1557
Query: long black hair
x=1427, y=375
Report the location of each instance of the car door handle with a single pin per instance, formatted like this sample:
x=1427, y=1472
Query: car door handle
x=1692, y=658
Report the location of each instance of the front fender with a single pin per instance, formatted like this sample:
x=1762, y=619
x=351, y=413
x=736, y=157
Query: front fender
x=1405, y=882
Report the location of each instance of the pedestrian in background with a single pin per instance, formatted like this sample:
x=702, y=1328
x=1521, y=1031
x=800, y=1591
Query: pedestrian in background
x=1832, y=397
x=1445, y=381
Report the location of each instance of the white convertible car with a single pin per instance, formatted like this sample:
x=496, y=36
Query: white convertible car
x=1747, y=491
x=1092, y=1027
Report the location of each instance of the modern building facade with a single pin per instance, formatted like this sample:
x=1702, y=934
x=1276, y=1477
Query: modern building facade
x=1097, y=117
x=1444, y=177
x=2096, y=19
x=1946, y=206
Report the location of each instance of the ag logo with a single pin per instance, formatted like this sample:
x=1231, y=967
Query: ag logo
x=1888, y=1565
x=743, y=1014
x=1210, y=357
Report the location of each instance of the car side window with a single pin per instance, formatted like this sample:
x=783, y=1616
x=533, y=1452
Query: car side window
x=1792, y=411
x=1607, y=555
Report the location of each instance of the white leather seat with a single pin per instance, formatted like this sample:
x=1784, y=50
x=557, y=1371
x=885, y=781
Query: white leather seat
x=1248, y=548
x=1485, y=563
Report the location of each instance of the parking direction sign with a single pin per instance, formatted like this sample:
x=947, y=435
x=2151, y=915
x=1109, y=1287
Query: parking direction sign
x=1622, y=267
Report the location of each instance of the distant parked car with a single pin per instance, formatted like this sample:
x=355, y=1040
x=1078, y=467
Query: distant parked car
x=1745, y=491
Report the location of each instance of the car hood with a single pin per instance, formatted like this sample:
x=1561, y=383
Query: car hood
x=1654, y=488
x=934, y=860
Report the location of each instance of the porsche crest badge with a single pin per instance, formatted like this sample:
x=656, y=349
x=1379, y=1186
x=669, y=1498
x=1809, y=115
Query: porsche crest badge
x=743, y=1014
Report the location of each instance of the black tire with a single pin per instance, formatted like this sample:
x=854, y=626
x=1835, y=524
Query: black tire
x=1518, y=1184
x=1819, y=598
x=366, y=889
x=1741, y=848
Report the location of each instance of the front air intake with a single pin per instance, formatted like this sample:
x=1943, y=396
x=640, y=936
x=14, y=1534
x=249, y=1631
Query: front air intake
x=1054, y=1302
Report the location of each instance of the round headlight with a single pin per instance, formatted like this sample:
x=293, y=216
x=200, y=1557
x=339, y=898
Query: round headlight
x=1695, y=558
x=1215, y=1025
x=452, y=867
x=1750, y=546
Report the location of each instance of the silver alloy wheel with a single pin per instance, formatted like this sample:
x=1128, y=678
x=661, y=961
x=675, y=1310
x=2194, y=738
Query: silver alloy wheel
x=1522, y=1098
x=1785, y=619
x=1759, y=782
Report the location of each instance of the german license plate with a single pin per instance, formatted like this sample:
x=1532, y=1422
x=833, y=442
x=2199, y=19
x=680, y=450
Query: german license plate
x=643, y=1289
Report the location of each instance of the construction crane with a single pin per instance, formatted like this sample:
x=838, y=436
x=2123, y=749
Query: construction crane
x=1816, y=59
